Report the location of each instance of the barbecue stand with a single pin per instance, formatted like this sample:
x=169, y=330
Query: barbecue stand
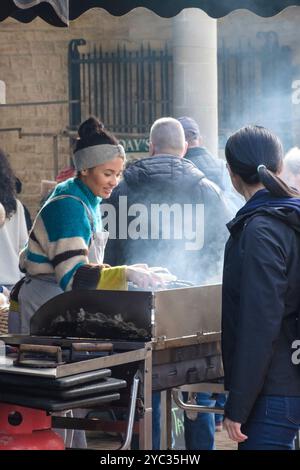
x=169, y=337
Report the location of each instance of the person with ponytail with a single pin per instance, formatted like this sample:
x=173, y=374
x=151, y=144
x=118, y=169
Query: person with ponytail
x=261, y=297
x=13, y=230
x=66, y=244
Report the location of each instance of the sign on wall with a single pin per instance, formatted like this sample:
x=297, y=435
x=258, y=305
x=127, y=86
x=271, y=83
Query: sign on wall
x=135, y=144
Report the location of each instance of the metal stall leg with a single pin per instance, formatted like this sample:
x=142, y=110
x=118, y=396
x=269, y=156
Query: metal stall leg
x=134, y=392
x=297, y=441
x=169, y=418
x=145, y=423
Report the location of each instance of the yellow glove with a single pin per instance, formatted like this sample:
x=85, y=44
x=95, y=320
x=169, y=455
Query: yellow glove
x=113, y=278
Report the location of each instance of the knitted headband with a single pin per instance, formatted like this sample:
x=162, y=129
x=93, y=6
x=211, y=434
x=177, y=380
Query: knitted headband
x=90, y=157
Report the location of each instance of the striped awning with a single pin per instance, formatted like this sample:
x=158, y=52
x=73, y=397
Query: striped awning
x=60, y=12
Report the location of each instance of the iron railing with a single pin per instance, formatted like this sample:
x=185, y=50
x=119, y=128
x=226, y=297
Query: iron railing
x=126, y=89
x=255, y=80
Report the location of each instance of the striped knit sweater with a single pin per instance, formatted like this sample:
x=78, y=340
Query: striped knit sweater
x=60, y=238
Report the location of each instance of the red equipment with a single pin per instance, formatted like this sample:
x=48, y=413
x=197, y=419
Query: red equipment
x=24, y=428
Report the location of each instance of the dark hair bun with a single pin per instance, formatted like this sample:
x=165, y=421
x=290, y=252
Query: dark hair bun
x=91, y=132
x=90, y=128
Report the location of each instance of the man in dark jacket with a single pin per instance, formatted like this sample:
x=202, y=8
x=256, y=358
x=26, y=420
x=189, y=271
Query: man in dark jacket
x=159, y=209
x=213, y=168
x=167, y=212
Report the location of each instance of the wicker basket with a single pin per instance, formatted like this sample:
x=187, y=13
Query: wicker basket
x=4, y=319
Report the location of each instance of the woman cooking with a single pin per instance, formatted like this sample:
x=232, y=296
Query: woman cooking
x=66, y=244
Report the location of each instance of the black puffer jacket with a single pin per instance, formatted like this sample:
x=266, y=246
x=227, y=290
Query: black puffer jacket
x=213, y=168
x=171, y=181
x=261, y=292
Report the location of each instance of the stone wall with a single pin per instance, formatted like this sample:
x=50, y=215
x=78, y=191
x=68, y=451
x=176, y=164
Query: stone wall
x=243, y=26
x=34, y=66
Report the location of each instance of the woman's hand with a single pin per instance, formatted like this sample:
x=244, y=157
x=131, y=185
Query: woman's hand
x=143, y=277
x=139, y=265
x=164, y=273
x=234, y=430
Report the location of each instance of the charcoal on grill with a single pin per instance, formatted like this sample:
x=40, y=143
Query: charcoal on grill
x=93, y=325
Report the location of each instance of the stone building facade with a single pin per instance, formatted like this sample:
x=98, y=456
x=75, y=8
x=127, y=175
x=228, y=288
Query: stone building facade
x=34, y=67
x=269, y=51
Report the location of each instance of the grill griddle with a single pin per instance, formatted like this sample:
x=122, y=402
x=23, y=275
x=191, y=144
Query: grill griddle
x=85, y=390
x=133, y=307
x=56, y=405
x=51, y=383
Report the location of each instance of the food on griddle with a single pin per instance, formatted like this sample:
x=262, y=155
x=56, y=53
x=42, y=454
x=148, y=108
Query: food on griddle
x=93, y=325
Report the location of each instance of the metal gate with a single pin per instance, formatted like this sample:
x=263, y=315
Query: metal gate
x=127, y=90
x=255, y=86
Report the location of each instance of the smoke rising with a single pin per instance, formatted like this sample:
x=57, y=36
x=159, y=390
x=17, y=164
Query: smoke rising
x=259, y=74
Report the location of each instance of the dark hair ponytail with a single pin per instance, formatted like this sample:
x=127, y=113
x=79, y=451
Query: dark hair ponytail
x=275, y=185
x=256, y=154
x=91, y=132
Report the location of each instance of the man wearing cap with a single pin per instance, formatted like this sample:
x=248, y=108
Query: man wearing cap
x=199, y=429
x=166, y=180
x=213, y=168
